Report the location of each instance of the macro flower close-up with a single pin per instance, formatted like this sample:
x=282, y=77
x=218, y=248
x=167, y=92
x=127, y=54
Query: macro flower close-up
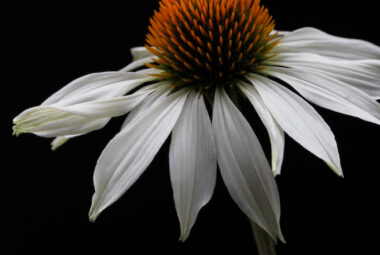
x=205, y=66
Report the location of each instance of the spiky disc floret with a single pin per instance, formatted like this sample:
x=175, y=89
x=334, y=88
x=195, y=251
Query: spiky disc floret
x=209, y=42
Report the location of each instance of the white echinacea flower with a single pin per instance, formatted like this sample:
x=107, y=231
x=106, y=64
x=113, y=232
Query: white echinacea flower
x=202, y=57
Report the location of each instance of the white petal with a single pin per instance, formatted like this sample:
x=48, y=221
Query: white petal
x=59, y=124
x=361, y=74
x=154, y=98
x=55, y=120
x=315, y=41
x=140, y=52
x=136, y=64
x=60, y=140
x=140, y=56
x=330, y=93
x=106, y=108
x=276, y=134
x=95, y=85
x=299, y=120
x=192, y=162
x=244, y=168
x=130, y=152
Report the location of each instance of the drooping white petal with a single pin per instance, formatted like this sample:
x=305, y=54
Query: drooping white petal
x=330, y=93
x=312, y=40
x=244, y=168
x=361, y=74
x=55, y=120
x=130, y=152
x=192, y=161
x=96, y=86
x=65, y=126
x=140, y=52
x=106, y=108
x=276, y=134
x=299, y=120
x=154, y=98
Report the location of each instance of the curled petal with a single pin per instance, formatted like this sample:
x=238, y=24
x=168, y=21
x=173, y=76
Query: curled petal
x=56, y=120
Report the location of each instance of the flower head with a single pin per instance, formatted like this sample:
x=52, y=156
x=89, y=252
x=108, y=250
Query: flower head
x=206, y=44
x=202, y=57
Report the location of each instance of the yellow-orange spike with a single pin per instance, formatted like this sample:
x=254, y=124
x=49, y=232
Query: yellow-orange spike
x=186, y=80
x=221, y=40
x=187, y=65
x=190, y=5
x=260, y=68
x=203, y=32
x=217, y=14
x=155, y=66
x=223, y=10
x=210, y=35
x=184, y=9
x=200, y=51
x=259, y=49
x=232, y=67
x=251, y=61
x=208, y=67
x=242, y=19
x=152, y=50
x=220, y=61
x=226, y=24
x=238, y=37
x=203, y=19
x=229, y=55
x=193, y=34
x=238, y=47
x=240, y=57
x=219, y=50
x=199, y=41
x=209, y=46
x=250, y=46
x=229, y=5
x=208, y=57
x=235, y=27
x=173, y=40
x=176, y=68
x=198, y=62
x=211, y=24
x=247, y=36
x=179, y=58
x=186, y=53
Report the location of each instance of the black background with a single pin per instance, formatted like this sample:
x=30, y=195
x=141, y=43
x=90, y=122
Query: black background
x=45, y=195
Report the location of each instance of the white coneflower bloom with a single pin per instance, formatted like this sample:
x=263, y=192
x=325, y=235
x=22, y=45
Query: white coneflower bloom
x=202, y=57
